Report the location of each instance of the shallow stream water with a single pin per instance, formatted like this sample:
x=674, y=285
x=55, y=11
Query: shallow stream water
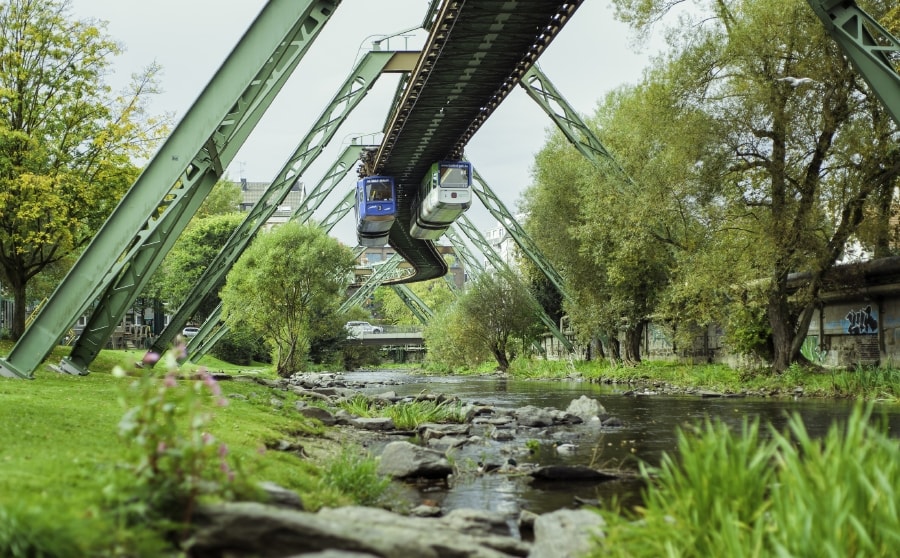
x=648, y=430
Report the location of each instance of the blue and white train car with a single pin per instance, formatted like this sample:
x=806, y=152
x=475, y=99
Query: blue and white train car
x=444, y=194
x=376, y=209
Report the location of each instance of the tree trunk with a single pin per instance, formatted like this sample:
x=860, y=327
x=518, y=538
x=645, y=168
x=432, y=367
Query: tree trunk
x=500, y=357
x=783, y=332
x=20, y=308
x=633, y=338
x=615, y=354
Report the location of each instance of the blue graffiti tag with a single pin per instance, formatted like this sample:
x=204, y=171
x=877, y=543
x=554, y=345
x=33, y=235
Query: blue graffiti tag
x=861, y=321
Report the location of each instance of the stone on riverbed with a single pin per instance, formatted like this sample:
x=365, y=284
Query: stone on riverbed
x=586, y=408
x=566, y=533
x=570, y=473
x=405, y=460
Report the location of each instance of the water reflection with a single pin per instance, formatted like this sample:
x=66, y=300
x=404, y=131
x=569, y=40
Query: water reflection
x=649, y=430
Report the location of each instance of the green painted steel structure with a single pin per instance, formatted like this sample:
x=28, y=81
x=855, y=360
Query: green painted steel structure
x=872, y=50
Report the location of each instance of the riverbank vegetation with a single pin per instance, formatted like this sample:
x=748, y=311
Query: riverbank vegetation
x=759, y=493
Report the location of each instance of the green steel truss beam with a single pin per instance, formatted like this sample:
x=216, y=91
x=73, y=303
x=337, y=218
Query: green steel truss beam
x=136, y=236
x=872, y=50
x=380, y=274
x=459, y=246
x=518, y=234
x=501, y=266
x=415, y=304
x=569, y=122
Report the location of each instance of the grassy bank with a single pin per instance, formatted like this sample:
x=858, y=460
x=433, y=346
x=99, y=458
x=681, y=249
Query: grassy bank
x=862, y=383
x=63, y=456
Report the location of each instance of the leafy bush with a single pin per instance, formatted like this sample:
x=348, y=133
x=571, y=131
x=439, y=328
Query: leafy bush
x=34, y=533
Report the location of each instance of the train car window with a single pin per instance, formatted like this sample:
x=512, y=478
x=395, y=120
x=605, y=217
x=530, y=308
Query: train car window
x=452, y=177
x=379, y=191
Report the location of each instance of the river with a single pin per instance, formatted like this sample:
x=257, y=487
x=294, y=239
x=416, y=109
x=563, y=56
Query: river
x=649, y=430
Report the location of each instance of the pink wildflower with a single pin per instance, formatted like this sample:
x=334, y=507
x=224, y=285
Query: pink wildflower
x=150, y=357
x=170, y=380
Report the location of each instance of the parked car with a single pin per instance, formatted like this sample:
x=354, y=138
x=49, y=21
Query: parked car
x=355, y=328
x=190, y=331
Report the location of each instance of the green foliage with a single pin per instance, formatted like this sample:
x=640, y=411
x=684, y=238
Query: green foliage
x=241, y=348
x=409, y=415
x=192, y=253
x=284, y=287
x=743, y=494
x=353, y=472
x=66, y=141
x=224, y=198
x=35, y=533
x=447, y=337
x=175, y=460
x=436, y=294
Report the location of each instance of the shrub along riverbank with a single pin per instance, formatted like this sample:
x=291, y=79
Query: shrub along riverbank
x=112, y=463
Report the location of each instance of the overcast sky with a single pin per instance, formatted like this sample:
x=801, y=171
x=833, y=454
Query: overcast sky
x=592, y=55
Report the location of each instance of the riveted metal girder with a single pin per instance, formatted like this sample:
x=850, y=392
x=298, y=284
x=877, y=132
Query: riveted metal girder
x=381, y=273
x=539, y=87
x=872, y=50
x=136, y=236
x=518, y=234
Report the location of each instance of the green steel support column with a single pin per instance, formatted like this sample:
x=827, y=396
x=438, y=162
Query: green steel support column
x=130, y=242
x=528, y=247
x=210, y=332
x=569, y=122
x=415, y=304
x=466, y=255
x=381, y=273
x=868, y=46
x=501, y=266
x=342, y=208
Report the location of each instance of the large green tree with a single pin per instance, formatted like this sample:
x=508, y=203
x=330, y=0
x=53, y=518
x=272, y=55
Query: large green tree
x=284, y=287
x=769, y=175
x=66, y=140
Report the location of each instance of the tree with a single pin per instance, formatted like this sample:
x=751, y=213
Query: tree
x=799, y=163
x=497, y=310
x=66, y=142
x=283, y=285
x=186, y=262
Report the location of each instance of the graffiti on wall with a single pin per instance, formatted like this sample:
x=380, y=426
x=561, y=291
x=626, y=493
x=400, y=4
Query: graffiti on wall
x=862, y=321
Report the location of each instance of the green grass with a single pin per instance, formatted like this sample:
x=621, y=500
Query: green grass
x=740, y=494
x=59, y=449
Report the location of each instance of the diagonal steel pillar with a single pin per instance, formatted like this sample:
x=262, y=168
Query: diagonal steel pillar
x=142, y=228
x=382, y=273
x=868, y=45
x=415, y=304
x=518, y=234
